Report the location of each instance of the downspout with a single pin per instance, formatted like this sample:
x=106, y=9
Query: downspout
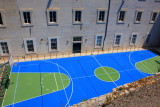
x=106, y=29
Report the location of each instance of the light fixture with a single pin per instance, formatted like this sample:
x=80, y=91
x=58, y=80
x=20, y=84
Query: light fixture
x=67, y=42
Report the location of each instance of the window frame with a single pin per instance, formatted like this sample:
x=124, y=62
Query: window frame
x=49, y=44
x=73, y=16
x=115, y=37
x=3, y=18
x=48, y=16
x=22, y=17
x=9, y=48
x=154, y=11
x=98, y=13
x=136, y=13
x=118, y=21
x=95, y=44
x=132, y=38
x=34, y=45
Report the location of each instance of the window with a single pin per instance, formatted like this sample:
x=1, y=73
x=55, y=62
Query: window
x=52, y=16
x=101, y=16
x=26, y=17
x=138, y=16
x=2, y=18
x=4, y=47
x=133, y=39
x=1, y=21
x=148, y=39
x=117, y=40
x=154, y=16
x=53, y=44
x=121, y=16
x=77, y=39
x=30, y=45
x=77, y=16
x=98, y=42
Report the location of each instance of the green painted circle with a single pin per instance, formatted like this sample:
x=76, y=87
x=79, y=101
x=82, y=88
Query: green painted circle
x=52, y=82
x=107, y=74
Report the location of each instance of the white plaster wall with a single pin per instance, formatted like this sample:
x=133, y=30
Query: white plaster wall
x=66, y=30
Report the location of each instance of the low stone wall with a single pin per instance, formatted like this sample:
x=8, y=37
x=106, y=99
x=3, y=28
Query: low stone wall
x=124, y=90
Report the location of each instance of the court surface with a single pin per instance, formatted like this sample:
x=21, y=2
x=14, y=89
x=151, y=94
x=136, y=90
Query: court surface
x=67, y=81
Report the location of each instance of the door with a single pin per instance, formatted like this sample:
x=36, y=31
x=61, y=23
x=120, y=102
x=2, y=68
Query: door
x=76, y=47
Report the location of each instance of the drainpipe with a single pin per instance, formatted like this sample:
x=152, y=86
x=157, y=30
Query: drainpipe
x=106, y=29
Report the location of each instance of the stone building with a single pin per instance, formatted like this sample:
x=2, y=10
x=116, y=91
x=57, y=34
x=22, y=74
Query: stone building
x=47, y=26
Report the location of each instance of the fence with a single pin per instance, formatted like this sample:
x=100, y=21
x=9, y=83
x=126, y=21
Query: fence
x=32, y=57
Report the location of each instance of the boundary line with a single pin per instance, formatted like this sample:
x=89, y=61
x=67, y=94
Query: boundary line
x=107, y=73
x=143, y=66
x=7, y=88
x=134, y=65
x=50, y=92
x=56, y=81
x=104, y=69
x=68, y=75
x=16, y=86
x=41, y=85
x=55, y=73
x=63, y=86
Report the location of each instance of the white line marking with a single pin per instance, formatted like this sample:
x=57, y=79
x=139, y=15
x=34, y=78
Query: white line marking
x=104, y=70
x=33, y=98
x=29, y=65
x=16, y=87
x=98, y=74
x=7, y=88
x=107, y=73
x=56, y=81
x=147, y=69
x=63, y=86
x=69, y=77
x=145, y=66
x=138, y=62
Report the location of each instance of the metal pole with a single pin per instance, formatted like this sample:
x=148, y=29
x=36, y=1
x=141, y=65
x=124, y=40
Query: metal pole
x=31, y=57
x=106, y=29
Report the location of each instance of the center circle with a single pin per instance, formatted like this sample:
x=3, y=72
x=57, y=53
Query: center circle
x=107, y=74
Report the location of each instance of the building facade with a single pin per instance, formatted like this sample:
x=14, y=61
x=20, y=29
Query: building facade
x=48, y=26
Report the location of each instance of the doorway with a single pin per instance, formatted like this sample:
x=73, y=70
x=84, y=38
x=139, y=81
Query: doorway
x=76, y=47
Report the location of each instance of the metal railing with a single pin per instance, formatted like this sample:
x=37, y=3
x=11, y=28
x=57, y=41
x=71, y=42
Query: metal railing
x=54, y=55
